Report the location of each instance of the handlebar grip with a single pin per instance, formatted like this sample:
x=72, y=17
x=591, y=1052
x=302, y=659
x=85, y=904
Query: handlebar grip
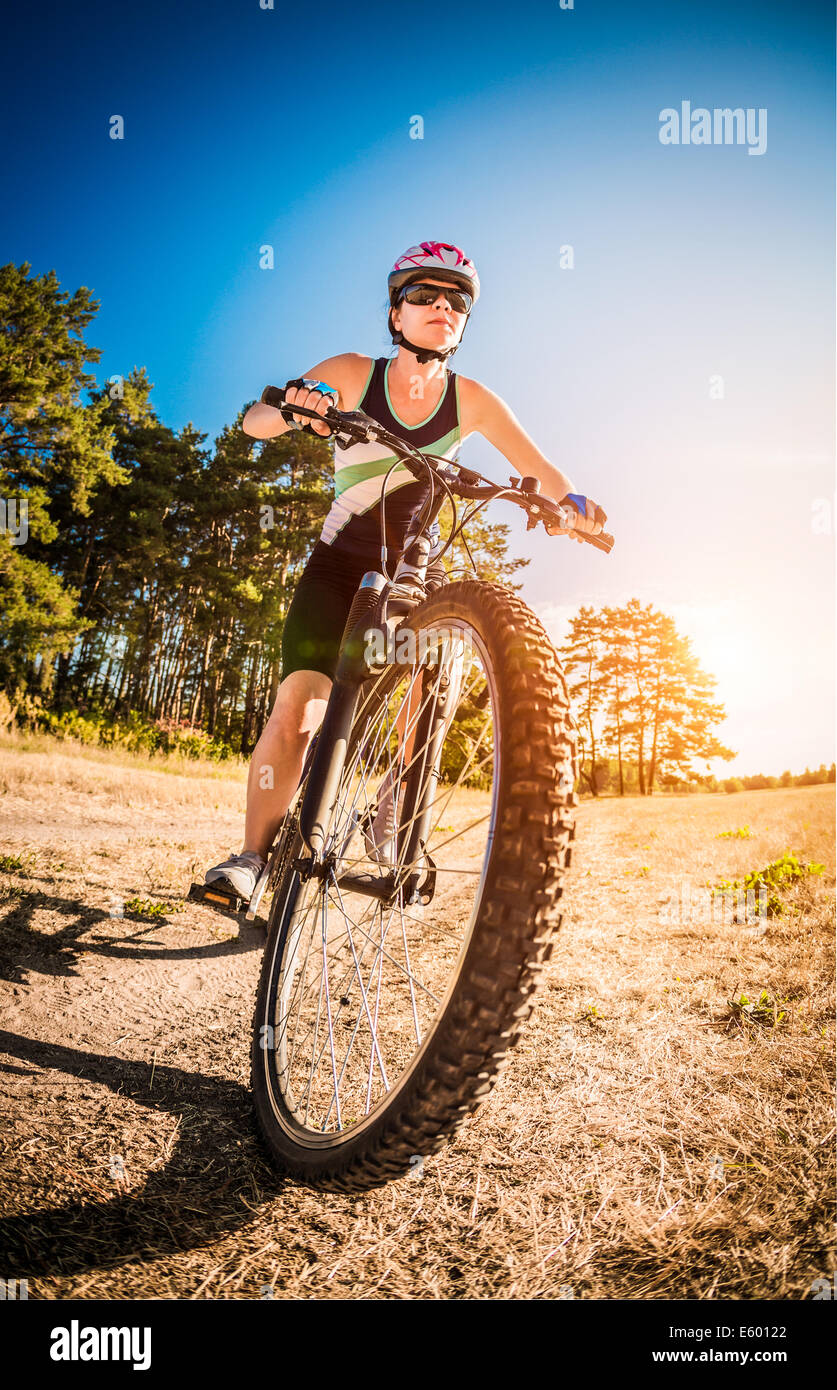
x=273, y=395
x=602, y=541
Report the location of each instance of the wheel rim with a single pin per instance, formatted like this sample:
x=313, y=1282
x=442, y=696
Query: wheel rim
x=359, y=986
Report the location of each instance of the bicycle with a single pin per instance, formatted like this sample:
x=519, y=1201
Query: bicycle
x=392, y=991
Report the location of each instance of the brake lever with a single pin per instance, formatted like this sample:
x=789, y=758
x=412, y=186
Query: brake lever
x=355, y=428
x=358, y=427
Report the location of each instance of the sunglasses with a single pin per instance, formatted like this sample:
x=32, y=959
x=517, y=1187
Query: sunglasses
x=459, y=300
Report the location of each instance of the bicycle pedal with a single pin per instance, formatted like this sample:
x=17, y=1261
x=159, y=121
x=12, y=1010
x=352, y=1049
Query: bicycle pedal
x=216, y=895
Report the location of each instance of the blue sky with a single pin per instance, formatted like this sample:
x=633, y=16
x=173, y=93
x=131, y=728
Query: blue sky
x=288, y=127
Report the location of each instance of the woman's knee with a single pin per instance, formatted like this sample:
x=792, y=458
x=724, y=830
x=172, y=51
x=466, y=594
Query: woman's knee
x=300, y=703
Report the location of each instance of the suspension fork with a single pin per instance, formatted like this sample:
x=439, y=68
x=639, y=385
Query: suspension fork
x=320, y=797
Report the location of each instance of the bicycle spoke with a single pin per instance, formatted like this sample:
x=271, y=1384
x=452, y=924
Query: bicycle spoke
x=328, y=1008
x=316, y=1031
x=378, y=961
x=398, y=966
x=412, y=991
x=338, y=990
x=365, y=1000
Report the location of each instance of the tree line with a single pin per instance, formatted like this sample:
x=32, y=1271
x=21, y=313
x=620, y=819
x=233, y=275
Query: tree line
x=156, y=572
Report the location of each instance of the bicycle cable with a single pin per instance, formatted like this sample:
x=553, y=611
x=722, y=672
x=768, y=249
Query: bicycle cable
x=435, y=476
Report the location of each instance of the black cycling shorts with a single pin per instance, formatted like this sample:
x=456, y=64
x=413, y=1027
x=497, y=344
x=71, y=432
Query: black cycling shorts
x=320, y=606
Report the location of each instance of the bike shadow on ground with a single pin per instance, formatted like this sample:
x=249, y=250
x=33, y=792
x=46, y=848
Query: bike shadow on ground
x=215, y=1181
x=25, y=949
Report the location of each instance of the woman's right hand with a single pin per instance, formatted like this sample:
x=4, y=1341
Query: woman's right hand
x=313, y=400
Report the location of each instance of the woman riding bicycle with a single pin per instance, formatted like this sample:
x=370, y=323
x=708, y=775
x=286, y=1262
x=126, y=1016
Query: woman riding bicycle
x=432, y=289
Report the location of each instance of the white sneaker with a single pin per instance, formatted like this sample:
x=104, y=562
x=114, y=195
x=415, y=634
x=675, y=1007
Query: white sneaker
x=241, y=872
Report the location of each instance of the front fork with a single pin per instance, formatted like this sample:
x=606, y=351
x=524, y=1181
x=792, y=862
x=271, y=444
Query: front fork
x=320, y=799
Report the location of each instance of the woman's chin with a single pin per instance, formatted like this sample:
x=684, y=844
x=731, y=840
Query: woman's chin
x=439, y=341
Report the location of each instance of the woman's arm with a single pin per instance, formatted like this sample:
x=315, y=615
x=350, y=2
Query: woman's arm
x=264, y=422
x=494, y=420
x=488, y=413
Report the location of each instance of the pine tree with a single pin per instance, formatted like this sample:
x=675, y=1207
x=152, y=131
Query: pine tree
x=637, y=677
x=52, y=445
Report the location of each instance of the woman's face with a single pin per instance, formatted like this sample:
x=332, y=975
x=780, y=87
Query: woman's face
x=430, y=325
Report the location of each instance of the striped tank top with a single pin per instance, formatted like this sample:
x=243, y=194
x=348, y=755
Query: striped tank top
x=353, y=525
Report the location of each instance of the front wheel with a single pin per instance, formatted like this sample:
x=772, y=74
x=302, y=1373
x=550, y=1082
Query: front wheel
x=393, y=987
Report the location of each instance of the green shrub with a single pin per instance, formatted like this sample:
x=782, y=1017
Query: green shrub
x=144, y=907
x=778, y=875
x=762, y=1010
x=135, y=733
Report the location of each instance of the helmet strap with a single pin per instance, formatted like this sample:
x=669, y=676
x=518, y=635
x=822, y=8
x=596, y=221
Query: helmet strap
x=424, y=354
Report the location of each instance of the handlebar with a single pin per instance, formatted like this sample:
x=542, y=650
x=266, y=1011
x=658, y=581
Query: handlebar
x=355, y=427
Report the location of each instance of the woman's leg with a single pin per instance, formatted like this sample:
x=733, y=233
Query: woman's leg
x=279, y=755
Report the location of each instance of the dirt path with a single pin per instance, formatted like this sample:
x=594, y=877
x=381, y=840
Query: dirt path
x=130, y=1166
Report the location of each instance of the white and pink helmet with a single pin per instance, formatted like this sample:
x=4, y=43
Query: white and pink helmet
x=438, y=259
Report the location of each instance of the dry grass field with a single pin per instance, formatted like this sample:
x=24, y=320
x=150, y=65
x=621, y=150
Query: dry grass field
x=654, y=1137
